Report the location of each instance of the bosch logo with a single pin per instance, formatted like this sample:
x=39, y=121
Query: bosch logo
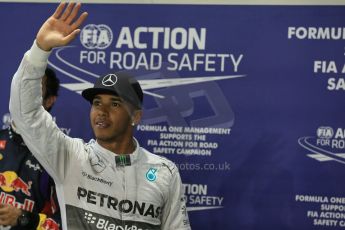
x=96, y=36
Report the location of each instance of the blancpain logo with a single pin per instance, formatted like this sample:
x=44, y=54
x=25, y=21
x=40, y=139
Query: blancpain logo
x=327, y=145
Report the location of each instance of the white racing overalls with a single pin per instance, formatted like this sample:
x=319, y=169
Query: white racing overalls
x=142, y=191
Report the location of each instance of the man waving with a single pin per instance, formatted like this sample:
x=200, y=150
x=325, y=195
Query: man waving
x=110, y=182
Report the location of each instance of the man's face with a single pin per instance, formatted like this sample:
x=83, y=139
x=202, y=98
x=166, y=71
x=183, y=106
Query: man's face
x=111, y=118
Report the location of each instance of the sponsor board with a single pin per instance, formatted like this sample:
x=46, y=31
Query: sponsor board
x=327, y=145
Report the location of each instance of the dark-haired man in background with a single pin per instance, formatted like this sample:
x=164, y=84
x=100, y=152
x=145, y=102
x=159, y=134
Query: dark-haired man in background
x=27, y=192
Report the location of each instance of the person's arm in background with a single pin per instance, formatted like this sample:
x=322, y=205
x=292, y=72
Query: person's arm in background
x=40, y=133
x=45, y=220
x=12, y=216
x=46, y=215
x=42, y=136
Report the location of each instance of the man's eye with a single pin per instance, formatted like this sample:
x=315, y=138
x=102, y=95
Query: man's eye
x=115, y=104
x=95, y=102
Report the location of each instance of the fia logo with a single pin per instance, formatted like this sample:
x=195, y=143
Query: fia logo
x=151, y=174
x=325, y=132
x=96, y=36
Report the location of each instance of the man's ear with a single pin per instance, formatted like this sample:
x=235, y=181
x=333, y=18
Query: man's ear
x=136, y=117
x=49, y=102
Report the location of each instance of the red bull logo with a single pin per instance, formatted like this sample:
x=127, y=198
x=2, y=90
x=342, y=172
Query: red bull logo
x=10, y=199
x=2, y=180
x=19, y=185
x=9, y=181
x=49, y=224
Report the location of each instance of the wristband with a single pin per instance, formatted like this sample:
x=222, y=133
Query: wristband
x=28, y=220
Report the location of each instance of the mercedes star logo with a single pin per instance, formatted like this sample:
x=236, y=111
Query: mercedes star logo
x=109, y=80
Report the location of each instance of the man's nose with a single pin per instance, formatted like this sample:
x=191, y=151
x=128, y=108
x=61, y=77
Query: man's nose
x=103, y=109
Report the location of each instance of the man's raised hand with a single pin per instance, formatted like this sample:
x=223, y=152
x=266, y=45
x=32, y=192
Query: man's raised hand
x=61, y=28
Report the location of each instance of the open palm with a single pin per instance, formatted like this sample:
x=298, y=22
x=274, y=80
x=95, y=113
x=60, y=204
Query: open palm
x=61, y=28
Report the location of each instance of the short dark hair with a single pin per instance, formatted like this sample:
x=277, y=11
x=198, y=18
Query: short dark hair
x=52, y=83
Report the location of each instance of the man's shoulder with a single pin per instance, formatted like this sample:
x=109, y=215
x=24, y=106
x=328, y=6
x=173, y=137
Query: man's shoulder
x=154, y=159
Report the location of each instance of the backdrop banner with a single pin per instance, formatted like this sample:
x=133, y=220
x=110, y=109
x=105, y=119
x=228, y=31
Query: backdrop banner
x=248, y=101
